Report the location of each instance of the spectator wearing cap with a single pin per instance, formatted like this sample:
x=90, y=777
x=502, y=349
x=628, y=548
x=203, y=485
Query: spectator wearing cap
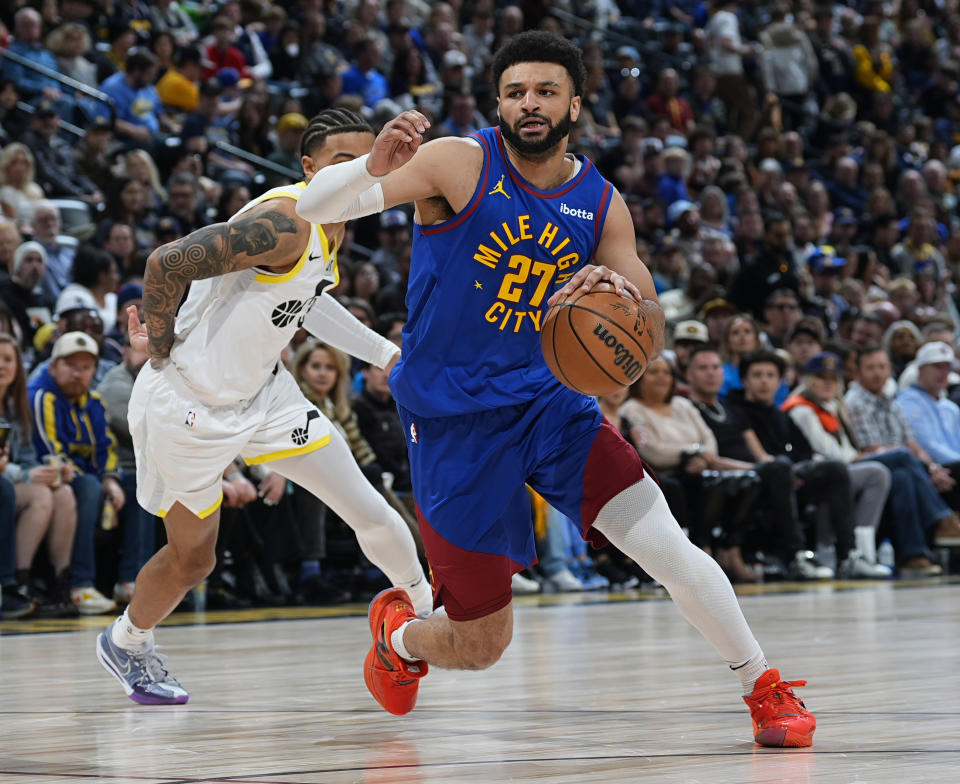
x=58, y=171
x=716, y=313
x=394, y=234
x=362, y=77
x=687, y=335
x=687, y=230
x=222, y=53
x=454, y=73
x=71, y=424
x=826, y=269
x=92, y=152
x=208, y=124
x=179, y=87
x=773, y=268
x=27, y=43
x=901, y=341
x=136, y=103
x=935, y=418
x=23, y=293
x=805, y=341
x=290, y=128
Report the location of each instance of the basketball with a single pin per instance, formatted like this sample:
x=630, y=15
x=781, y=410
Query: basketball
x=596, y=341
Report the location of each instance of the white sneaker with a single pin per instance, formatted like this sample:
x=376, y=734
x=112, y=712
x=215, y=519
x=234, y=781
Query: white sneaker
x=89, y=601
x=805, y=567
x=123, y=593
x=524, y=585
x=564, y=582
x=856, y=567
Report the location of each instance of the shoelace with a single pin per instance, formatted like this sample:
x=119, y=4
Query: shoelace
x=152, y=664
x=781, y=690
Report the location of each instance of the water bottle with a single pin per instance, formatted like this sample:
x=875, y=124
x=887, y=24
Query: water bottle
x=885, y=555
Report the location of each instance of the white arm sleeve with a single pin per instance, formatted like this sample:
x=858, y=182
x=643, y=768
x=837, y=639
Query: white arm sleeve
x=334, y=324
x=341, y=192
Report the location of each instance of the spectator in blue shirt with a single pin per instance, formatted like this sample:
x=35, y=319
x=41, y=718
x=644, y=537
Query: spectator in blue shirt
x=136, y=102
x=935, y=418
x=363, y=78
x=27, y=28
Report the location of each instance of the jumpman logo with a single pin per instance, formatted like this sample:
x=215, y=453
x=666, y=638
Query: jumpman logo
x=499, y=188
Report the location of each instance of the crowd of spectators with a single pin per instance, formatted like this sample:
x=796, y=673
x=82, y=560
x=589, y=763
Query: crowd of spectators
x=791, y=169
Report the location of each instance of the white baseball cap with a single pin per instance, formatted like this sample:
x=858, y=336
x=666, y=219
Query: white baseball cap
x=691, y=330
x=934, y=353
x=74, y=343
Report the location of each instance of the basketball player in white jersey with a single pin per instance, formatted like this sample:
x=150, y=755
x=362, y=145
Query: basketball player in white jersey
x=215, y=388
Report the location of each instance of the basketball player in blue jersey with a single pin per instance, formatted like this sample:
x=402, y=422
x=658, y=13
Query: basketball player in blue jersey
x=507, y=223
x=215, y=388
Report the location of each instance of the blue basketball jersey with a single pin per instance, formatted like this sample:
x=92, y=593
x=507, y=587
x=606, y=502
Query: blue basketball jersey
x=479, y=284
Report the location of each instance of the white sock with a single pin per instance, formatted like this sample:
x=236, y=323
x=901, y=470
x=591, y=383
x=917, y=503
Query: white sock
x=126, y=635
x=750, y=670
x=639, y=523
x=421, y=596
x=396, y=642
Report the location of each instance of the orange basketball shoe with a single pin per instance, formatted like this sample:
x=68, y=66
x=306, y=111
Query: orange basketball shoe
x=779, y=716
x=392, y=681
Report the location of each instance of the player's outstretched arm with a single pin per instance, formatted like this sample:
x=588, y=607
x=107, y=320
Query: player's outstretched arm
x=396, y=171
x=267, y=236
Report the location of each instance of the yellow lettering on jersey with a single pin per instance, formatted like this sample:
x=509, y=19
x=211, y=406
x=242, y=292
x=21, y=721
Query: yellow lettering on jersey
x=493, y=313
x=560, y=247
x=487, y=256
x=496, y=239
x=506, y=230
x=548, y=235
x=535, y=318
x=569, y=260
x=520, y=314
x=523, y=221
x=505, y=319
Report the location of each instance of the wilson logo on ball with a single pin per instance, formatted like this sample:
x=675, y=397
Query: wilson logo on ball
x=624, y=359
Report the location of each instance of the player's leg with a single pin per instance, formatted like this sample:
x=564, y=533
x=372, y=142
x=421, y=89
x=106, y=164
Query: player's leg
x=126, y=648
x=332, y=474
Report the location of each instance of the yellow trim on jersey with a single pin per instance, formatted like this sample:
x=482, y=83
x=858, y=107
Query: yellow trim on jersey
x=300, y=450
x=264, y=277
x=204, y=514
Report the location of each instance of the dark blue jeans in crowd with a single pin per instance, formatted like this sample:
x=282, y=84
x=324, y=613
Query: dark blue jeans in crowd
x=8, y=533
x=137, y=528
x=914, y=503
x=89, y=494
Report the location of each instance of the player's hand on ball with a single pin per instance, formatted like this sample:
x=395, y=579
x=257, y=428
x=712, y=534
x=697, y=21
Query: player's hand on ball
x=589, y=276
x=397, y=143
x=138, y=331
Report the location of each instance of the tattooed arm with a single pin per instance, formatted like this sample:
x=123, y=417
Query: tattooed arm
x=269, y=235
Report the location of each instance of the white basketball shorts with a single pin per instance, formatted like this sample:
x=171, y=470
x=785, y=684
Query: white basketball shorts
x=183, y=446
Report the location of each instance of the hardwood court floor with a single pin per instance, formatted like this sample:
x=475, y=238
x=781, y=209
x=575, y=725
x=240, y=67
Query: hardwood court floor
x=590, y=691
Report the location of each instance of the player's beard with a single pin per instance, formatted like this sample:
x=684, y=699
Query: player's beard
x=555, y=134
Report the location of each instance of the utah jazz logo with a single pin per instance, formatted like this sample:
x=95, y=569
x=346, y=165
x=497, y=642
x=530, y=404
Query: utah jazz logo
x=285, y=313
x=499, y=189
x=301, y=435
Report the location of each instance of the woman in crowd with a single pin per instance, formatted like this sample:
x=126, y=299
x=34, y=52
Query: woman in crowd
x=45, y=504
x=901, y=341
x=741, y=336
x=69, y=43
x=139, y=165
x=128, y=202
x=672, y=437
x=19, y=193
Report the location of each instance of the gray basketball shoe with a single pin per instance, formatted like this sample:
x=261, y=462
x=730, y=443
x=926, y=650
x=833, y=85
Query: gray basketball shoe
x=141, y=673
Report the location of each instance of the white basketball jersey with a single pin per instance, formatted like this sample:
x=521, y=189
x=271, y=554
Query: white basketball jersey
x=231, y=330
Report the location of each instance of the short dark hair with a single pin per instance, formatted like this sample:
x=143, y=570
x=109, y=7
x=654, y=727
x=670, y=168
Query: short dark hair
x=870, y=348
x=539, y=46
x=140, y=60
x=777, y=293
x=702, y=348
x=328, y=123
x=760, y=356
x=89, y=263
